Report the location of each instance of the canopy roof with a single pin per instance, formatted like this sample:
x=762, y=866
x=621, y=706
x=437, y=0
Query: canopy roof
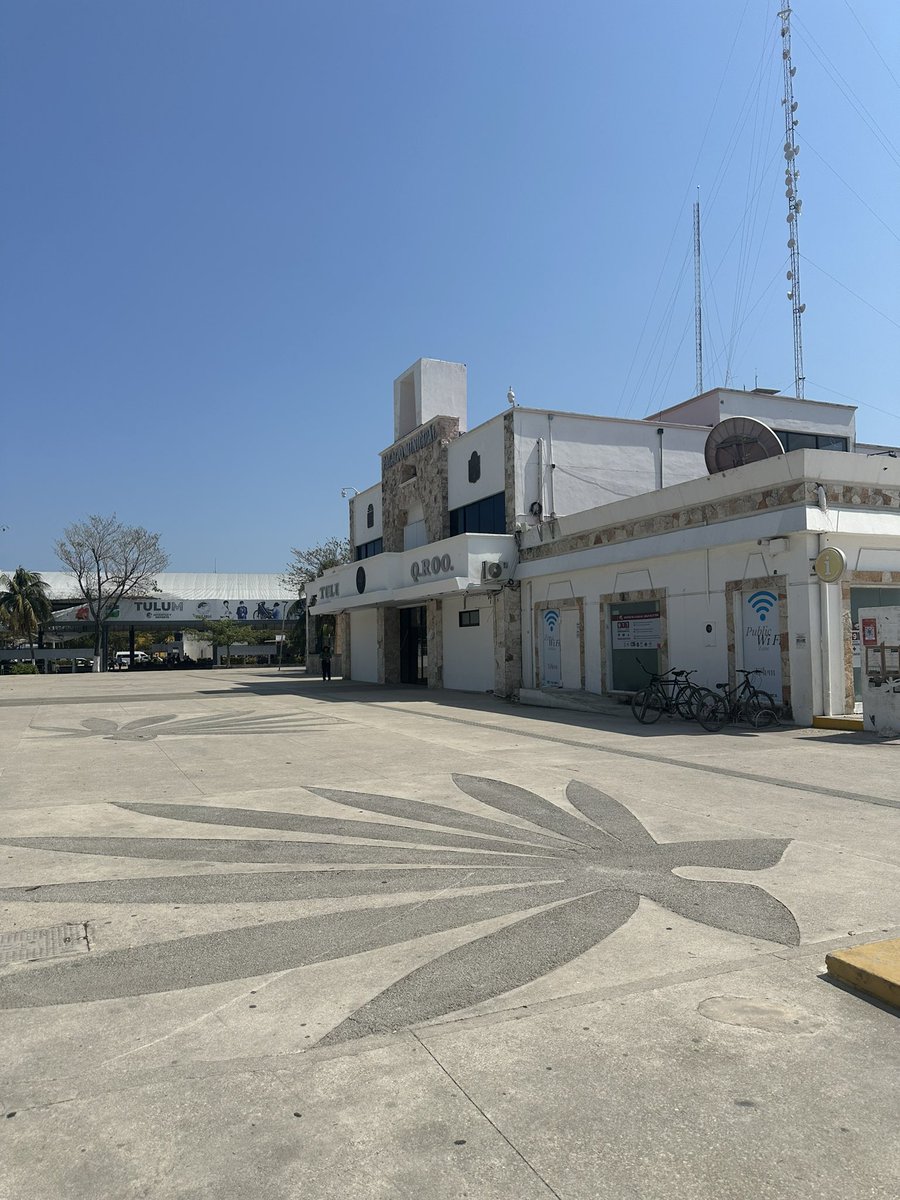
x=187, y=585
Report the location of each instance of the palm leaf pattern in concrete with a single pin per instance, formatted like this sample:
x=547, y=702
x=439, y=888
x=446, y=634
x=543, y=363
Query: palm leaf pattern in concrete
x=551, y=882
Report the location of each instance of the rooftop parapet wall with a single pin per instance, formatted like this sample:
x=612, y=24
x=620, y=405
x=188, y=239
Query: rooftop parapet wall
x=779, y=412
x=788, y=481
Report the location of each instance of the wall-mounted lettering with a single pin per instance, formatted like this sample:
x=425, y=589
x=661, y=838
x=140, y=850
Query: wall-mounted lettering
x=439, y=564
x=328, y=590
x=418, y=441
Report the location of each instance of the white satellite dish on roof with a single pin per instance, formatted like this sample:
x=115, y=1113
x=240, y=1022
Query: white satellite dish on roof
x=737, y=441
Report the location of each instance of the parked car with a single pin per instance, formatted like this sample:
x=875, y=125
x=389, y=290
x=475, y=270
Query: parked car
x=123, y=658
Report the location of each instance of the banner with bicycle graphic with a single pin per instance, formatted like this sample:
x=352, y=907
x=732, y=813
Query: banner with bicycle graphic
x=170, y=610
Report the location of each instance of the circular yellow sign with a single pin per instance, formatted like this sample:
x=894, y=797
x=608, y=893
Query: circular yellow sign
x=830, y=564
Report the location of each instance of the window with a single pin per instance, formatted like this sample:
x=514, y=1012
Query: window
x=810, y=441
x=414, y=535
x=482, y=516
x=370, y=516
x=368, y=549
x=474, y=467
x=469, y=617
x=827, y=442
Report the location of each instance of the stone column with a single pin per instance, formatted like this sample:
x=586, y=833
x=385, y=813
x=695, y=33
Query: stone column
x=434, y=620
x=507, y=642
x=342, y=664
x=388, y=634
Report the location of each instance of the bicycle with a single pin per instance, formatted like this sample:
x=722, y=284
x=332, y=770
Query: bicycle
x=672, y=692
x=743, y=702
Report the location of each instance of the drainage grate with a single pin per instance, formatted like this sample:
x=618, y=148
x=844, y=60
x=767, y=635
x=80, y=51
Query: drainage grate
x=25, y=945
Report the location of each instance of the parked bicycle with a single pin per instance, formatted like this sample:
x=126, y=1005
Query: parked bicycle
x=743, y=702
x=671, y=692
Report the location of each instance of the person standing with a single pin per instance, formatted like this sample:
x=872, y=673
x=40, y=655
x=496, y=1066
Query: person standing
x=326, y=661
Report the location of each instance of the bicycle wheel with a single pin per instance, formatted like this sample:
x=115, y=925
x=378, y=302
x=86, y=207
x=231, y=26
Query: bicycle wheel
x=647, y=705
x=712, y=712
x=690, y=700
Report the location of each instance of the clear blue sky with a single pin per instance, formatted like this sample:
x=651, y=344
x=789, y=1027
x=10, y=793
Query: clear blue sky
x=227, y=226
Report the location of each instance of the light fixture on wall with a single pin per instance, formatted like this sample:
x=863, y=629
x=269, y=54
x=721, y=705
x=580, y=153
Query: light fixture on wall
x=345, y=492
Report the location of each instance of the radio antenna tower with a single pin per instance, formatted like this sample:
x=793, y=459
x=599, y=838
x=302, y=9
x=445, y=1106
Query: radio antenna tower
x=698, y=297
x=791, y=176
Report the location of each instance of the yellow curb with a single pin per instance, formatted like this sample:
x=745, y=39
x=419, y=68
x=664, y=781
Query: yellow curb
x=854, y=723
x=873, y=968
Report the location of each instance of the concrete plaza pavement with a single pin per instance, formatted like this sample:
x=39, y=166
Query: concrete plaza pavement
x=334, y=940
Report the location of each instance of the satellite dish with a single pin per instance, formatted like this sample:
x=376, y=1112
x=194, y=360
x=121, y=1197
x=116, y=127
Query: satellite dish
x=737, y=441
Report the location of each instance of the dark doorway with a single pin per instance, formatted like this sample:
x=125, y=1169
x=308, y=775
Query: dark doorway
x=413, y=646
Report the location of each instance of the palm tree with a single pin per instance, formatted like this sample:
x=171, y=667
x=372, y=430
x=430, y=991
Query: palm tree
x=24, y=606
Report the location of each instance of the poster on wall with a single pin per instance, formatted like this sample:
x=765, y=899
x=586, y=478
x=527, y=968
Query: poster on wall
x=637, y=631
x=551, y=652
x=869, y=631
x=761, y=625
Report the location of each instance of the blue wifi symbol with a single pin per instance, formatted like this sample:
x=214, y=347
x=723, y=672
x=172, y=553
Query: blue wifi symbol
x=551, y=619
x=762, y=603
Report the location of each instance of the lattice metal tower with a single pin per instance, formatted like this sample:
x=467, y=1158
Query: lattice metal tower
x=698, y=298
x=791, y=176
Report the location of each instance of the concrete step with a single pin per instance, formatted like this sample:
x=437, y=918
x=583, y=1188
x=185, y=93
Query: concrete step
x=577, y=701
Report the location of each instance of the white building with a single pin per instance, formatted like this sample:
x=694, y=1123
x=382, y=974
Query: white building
x=552, y=549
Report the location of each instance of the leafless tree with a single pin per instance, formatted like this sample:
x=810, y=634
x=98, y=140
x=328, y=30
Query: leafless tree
x=110, y=561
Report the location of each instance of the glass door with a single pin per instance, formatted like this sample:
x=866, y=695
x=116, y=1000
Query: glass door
x=413, y=646
x=865, y=597
x=635, y=636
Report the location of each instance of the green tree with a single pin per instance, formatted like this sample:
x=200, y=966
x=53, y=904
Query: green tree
x=308, y=565
x=110, y=561
x=222, y=631
x=24, y=606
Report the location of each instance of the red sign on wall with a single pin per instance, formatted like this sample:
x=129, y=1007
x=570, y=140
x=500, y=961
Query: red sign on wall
x=869, y=631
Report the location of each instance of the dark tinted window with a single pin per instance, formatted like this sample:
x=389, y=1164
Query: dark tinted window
x=370, y=516
x=482, y=516
x=469, y=617
x=810, y=441
x=368, y=549
x=831, y=443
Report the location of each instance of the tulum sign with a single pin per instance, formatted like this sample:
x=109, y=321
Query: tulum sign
x=173, y=611
x=440, y=564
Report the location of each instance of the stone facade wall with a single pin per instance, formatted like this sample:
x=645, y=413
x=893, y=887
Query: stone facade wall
x=507, y=641
x=342, y=645
x=434, y=618
x=509, y=470
x=388, y=645
x=418, y=478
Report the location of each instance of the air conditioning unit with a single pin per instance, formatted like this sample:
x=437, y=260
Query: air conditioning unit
x=494, y=570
